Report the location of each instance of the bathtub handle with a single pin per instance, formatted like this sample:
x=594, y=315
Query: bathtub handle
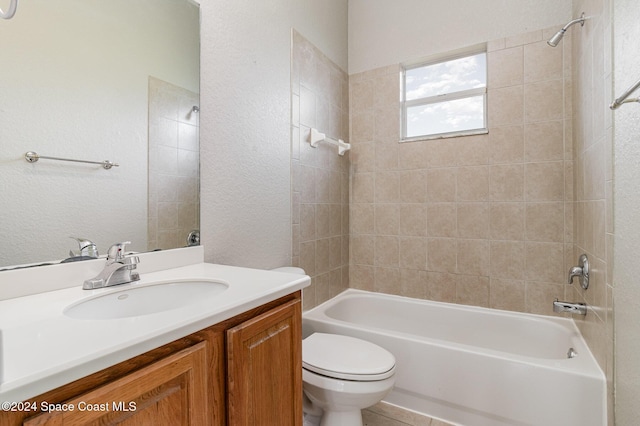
x=581, y=271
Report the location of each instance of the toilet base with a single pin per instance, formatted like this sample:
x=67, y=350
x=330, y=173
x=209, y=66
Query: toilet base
x=341, y=418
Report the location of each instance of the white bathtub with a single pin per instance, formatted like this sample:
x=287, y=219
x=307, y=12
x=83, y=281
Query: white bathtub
x=474, y=366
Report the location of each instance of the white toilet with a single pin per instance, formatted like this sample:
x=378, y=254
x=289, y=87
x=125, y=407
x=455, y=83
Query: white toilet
x=341, y=375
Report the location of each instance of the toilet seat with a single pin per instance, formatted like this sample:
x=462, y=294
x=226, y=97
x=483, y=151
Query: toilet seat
x=345, y=357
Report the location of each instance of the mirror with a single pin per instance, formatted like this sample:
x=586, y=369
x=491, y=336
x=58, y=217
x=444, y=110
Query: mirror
x=98, y=80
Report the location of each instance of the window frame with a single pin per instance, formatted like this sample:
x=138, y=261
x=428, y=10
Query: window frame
x=445, y=97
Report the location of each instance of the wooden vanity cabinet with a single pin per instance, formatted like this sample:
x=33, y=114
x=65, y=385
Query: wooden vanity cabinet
x=244, y=371
x=264, y=371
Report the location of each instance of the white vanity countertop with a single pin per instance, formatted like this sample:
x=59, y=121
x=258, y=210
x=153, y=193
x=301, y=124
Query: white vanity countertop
x=42, y=349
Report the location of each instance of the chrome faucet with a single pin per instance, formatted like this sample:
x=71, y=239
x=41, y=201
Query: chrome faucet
x=581, y=271
x=572, y=308
x=86, y=248
x=118, y=269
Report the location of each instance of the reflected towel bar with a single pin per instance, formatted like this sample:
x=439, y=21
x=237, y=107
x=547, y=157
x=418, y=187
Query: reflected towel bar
x=32, y=157
x=623, y=98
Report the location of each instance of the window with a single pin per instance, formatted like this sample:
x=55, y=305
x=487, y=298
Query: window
x=445, y=97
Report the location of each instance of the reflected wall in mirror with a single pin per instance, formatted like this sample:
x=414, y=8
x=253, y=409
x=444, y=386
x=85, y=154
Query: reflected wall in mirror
x=79, y=79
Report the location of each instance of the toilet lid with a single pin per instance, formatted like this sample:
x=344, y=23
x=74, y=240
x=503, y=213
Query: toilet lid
x=344, y=357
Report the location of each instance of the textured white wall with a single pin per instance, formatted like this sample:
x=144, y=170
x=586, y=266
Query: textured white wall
x=383, y=32
x=245, y=122
x=626, y=208
x=69, y=89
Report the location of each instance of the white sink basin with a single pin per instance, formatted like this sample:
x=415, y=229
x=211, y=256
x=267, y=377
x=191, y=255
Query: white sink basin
x=144, y=300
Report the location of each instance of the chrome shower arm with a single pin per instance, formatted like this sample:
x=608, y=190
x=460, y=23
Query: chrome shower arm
x=581, y=20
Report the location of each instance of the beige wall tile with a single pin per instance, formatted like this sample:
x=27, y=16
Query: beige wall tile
x=387, y=187
x=307, y=107
x=442, y=220
x=362, y=249
x=441, y=287
x=544, y=181
x=472, y=150
x=472, y=290
x=386, y=156
x=507, y=221
x=441, y=254
x=542, y=62
x=363, y=185
x=540, y=297
x=362, y=277
x=544, y=262
x=305, y=181
x=474, y=258
x=387, y=123
x=308, y=257
x=320, y=178
x=507, y=259
x=413, y=186
x=507, y=182
x=505, y=67
x=441, y=185
x=411, y=155
x=323, y=255
x=386, y=280
x=307, y=222
x=387, y=90
x=387, y=217
x=545, y=222
x=544, y=141
x=335, y=254
x=328, y=220
x=363, y=157
x=473, y=184
x=505, y=106
x=544, y=101
x=413, y=220
x=473, y=220
x=490, y=202
x=440, y=153
x=362, y=219
x=361, y=95
x=413, y=253
x=507, y=294
x=387, y=251
x=413, y=283
x=506, y=144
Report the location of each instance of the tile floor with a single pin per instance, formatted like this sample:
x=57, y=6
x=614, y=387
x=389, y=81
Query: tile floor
x=383, y=414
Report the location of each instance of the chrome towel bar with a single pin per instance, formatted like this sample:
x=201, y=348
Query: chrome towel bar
x=623, y=98
x=32, y=157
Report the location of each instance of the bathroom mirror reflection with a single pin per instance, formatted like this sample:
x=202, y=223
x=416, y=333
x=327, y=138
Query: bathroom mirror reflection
x=98, y=80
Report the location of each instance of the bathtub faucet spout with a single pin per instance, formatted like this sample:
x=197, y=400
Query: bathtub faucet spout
x=572, y=308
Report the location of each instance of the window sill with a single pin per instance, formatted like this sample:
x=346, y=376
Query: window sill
x=445, y=135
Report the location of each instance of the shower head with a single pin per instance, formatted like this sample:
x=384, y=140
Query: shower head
x=553, y=41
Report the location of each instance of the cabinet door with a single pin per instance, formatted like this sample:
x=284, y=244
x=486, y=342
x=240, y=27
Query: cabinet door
x=264, y=374
x=171, y=391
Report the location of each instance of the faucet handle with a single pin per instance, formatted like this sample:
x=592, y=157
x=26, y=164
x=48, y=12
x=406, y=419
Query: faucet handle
x=116, y=252
x=581, y=271
x=85, y=248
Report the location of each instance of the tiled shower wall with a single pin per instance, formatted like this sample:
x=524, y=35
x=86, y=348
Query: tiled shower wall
x=482, y=220
x=174, y=164
x=320, y=177
x=593, y=153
